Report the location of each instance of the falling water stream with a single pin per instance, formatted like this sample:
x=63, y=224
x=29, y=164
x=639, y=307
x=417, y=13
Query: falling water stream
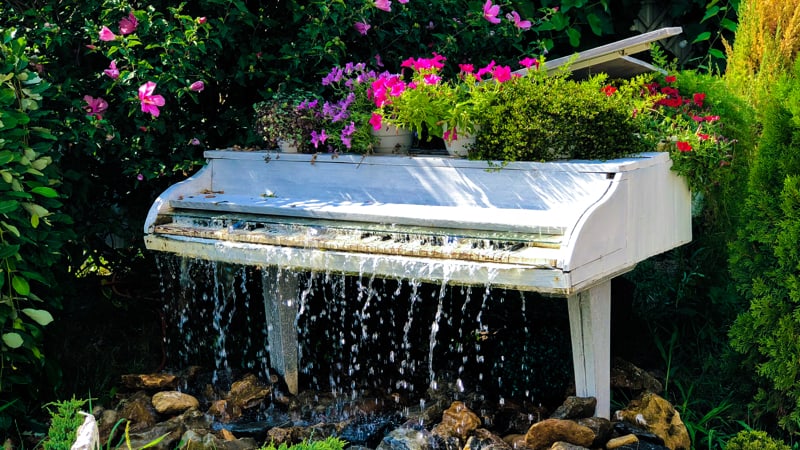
x=362, y=333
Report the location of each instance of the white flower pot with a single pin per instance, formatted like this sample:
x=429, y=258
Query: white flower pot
x=392, y=140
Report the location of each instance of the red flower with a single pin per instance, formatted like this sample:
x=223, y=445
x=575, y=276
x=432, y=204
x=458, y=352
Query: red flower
x=699, y=98
x=609, y=90
x=684, y=146
x=670, y=79
x=702, y=136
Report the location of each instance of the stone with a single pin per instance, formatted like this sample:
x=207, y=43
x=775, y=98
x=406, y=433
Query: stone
x=248, y=392
x=642, y=445
x=406, y=439
x=224, y=411
x=543, y=434
x=153, y=381
x=515, y=440
x=457, y=421
x=561, y=445
x=173, y=402
x=138, y=409
x=171, y=430
x=601, y=427
x=625, y=375
x=657, y=415
x=628, y=439
x=575, y=408
x=106, y=419
x=483, y=439
x=623, y=428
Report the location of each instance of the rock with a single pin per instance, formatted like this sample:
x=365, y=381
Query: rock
x=406, y=439
x=642, y=445
x=601, y=427
x=138, y=409
x=171, y=430
x=483, y=439
x=248, y=392
x=203, y=440
x=547, y=432
x=173, y=402
x=457, y=421
x=561, y=445
x=153, y=381
x=628, y=439
x=658, y=416
x=575, y=408
x=107, y=418
x=625, y=375
x=225, y=411
x=515, y=440
x=623, y=428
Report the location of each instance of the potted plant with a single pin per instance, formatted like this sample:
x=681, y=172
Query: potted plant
x=282, y=121
x=541, y=117
x=431, y=106
x=344, y=112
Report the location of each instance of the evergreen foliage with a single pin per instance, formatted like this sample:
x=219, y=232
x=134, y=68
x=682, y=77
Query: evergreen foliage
x=765, y=262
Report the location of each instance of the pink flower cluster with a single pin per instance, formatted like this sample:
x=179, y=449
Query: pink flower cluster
x=149, y=101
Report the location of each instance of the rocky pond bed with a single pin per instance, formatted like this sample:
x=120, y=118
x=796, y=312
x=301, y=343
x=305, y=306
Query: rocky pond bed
x=248, y=413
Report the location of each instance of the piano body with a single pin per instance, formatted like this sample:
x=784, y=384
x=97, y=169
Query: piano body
x=560, y=228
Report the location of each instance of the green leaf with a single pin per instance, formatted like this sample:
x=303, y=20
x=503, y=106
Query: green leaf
x=729, y=25
x=45, y=191
x=39, y=316
x=704, y=36
x=574, y=37
x=13, y=340
x=20, y=285
x=6, y=206
x=716, y=53
x=8, y=250
x=6, y=157
x=596, y=23
x=14, y=230
x=710, y=12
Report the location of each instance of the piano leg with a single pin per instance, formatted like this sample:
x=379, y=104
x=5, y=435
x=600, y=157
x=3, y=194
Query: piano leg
x=280, y=297
x=590, y=329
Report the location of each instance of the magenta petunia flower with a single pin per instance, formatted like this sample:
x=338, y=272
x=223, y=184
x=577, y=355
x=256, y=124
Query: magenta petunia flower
x=95, y=106
x=197, y=86
x=529, y=62
x=384, y=5
x=490, y=12
x=112, y=70
x=362, y=27
x=501, y=74
x=107, y=35
x=375, y=121
x=149, y=101
x=128, y=24
x=521, y=24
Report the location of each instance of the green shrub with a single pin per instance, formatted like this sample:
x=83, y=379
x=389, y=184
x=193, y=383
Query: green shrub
x=64, y=422
x=765, y=262
x=755, y=440
x=545, y=118
x=31, y=225
x=330, y=443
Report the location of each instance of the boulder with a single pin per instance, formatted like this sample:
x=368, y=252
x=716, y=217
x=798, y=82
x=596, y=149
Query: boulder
x=544, y=434
x=657, y=415
x=173, y=402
